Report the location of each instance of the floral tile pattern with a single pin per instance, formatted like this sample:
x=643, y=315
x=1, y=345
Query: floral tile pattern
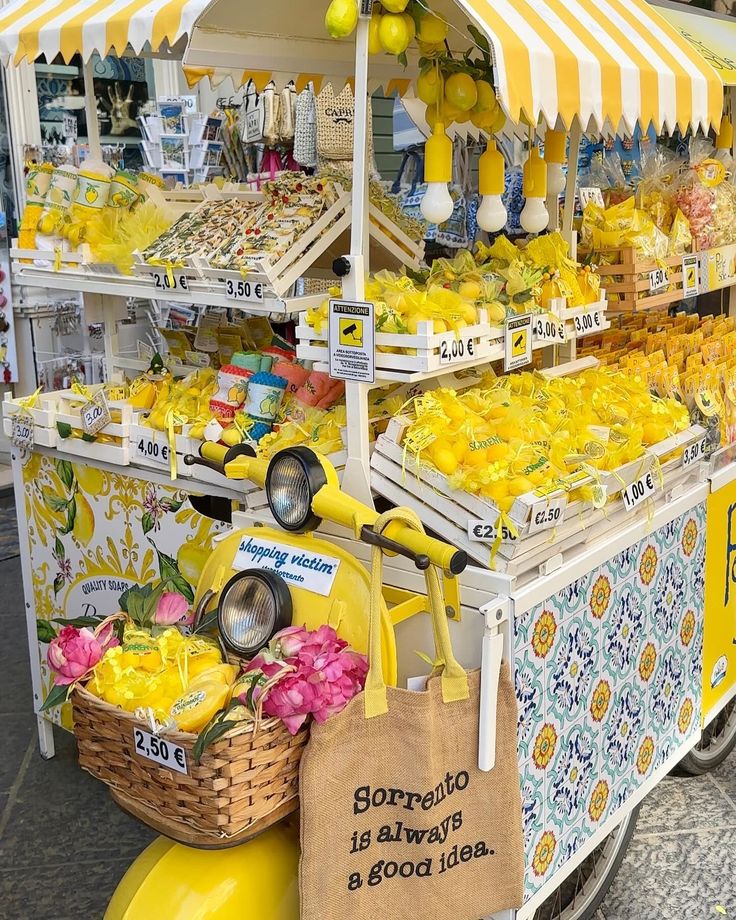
x=608, y=680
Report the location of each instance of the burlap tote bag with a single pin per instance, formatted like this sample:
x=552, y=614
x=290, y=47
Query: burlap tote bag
x=397, y=821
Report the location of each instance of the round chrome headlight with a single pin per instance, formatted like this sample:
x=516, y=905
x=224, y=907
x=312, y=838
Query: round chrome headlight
x=254, y=605
x=294, y=477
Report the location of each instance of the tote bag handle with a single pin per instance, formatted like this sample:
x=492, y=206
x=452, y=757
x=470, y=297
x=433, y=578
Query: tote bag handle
x=454, y=679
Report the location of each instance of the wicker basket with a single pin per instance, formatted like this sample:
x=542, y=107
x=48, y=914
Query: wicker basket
x=245, y=781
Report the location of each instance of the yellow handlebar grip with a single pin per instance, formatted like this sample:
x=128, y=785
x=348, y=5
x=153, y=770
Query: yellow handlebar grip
x=334, y=505
x=213, y=452
x=440, y=554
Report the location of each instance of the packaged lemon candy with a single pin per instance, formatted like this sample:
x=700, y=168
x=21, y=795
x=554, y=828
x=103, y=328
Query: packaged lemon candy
x=140, y=650
x=202, y=699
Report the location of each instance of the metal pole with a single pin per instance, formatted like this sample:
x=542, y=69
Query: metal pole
x=356, y=478
x=90, y=108
x=572, y=175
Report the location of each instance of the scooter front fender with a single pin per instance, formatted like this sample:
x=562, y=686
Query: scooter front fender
x=257, y=880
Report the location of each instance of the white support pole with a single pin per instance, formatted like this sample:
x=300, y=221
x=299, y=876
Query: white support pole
x=576, y=134
x=356, y=478
x=24, y=123
x=90, y=108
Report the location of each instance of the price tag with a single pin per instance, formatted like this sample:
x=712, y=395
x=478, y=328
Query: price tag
x=518, y=342
x=95, y=414
x=547, y=514
x=243, y=290
x=548, y=328
x=197, y=358
x=690, y=275
x=151, y=450
x=254, y=125
x=21, y=432
x=168, y=282
x=658, y=279
x=455, y=348
x=639, y=491
x=145, y=351
x=69, y=127
x=588, y=195
x=585, y=323
x=160, y=751
x=486, y=531
x=694, y=452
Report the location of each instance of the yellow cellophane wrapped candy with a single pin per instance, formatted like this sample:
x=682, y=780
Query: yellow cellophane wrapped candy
x=619, y=226
x=319, y=429
x=516, y=434
x=184, y=401
x=119, y=233
x=151, y=672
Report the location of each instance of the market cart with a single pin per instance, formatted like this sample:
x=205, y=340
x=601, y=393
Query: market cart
x=621, y=647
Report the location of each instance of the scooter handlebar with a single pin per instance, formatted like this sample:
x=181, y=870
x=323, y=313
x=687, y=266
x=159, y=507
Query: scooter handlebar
x=334, y=505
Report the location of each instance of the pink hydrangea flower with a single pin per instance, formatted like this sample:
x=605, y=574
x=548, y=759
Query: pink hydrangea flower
x=74, y=652
x=324, y=675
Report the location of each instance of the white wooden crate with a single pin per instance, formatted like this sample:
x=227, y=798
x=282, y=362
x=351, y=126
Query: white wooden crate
x=42, y=437
x=43, y=412
x=487, y=342
x=69, y=405
x=149, y=448
x=398, y=477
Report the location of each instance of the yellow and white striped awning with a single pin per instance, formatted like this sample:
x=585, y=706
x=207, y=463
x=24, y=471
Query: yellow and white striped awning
x=606, y=61
x=31, y=28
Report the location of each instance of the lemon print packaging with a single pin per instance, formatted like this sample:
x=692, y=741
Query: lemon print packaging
x=177, y=677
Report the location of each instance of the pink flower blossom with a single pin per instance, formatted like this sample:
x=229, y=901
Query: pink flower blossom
x=74, y=652
x=172, y=609
x=324, y=675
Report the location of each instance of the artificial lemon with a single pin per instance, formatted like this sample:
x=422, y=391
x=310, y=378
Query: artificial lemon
x=470, y=290
x=341, y=18
x=461, y=91
x=432, y=29
x=486, y=100
x=411, y=25
x=393, y=33
x=394, y=6
x=374, y=47
x=429, y=86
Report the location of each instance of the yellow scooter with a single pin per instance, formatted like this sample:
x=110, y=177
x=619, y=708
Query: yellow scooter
x=258, y=580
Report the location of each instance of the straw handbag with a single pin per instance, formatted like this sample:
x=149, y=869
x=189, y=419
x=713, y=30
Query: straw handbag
x=335, y=123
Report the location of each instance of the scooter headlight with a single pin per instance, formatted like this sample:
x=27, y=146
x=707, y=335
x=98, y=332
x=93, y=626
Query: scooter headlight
x=254, y=605
x=294, y=477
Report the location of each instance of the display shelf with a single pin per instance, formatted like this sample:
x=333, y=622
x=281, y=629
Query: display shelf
x=429, y=360
x=198, y=293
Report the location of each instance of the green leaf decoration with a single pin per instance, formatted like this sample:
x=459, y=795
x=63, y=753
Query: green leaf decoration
x=522, y=296
x=89, y=438
x=58, y=584
x=210, y=734
x=403, y=59
x=123, y=599
x=71, y=514
x=45, y=631
x=59, y=549
x=169, y=570
x=150, y=602
x=479, y=38
x=208, y=622
x=136, y=603
x=148, y=522
x=79, y=622
x=170, y=504
x=64, y=467
x=57, y=696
